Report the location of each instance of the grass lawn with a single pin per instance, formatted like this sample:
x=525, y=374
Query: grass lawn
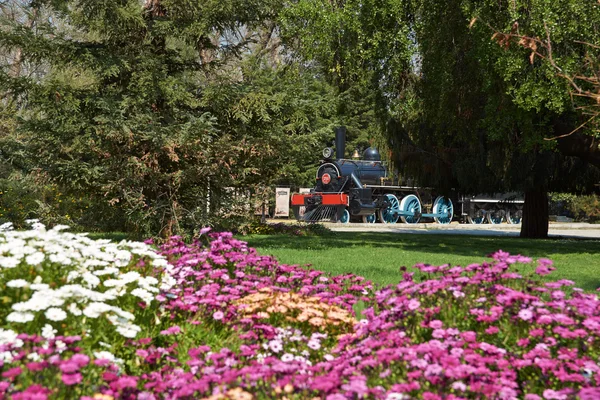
x=378, y=256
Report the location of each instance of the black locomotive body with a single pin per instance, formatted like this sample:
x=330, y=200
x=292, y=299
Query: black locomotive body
x=364, y=189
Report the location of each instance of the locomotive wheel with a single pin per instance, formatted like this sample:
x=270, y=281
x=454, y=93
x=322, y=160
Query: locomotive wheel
x=495, y=217
x=345, y=217
x=369, y=219
x=514, y=216
x=411, y=203
x=443, y=205
x=478, y=218
x=390, y=214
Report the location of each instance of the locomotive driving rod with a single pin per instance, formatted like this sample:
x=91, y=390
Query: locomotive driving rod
x=419, y=215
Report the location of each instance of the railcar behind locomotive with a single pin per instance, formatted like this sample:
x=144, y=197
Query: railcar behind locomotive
x=364, y=189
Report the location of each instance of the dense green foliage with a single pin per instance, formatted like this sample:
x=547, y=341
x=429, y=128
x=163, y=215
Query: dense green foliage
x=159, y=116
x=152, y=112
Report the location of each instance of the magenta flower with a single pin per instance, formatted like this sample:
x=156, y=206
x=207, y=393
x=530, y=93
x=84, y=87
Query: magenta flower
x=71, y=379
x=13, y=372
x=491, y=330
x=69, y=367
x=80, y=359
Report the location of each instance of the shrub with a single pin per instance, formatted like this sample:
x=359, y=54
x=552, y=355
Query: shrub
x=586, y=208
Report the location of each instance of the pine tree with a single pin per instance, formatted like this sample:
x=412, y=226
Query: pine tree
x=148, y=107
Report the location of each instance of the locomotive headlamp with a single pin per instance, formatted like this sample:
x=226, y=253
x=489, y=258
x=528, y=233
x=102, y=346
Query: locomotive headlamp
x=327, y=152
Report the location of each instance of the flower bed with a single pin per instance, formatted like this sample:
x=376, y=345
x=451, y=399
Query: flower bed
x=216, y=320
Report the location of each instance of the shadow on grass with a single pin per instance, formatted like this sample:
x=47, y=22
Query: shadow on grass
x=464, y=245
x=377, y=256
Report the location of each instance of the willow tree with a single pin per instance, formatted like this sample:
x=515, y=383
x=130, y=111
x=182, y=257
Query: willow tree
x=518, y=121
x=461, y=111
x=364, y=50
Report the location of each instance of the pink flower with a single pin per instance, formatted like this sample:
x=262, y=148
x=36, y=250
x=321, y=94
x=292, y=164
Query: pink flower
x=80, y=359
x=101, y=362
x=141, y=353
x=552, y=394
x=469, y=336
x=36, y=366
x=173, y=330
x=11, y=373
x=536, y=332
x=218, y=315
x=414, y=304
x=126, y=382
x=525, y=315
x=436, y=324
x=491, y=330
x=544, y=267
x=71, y=379
x=69, y=367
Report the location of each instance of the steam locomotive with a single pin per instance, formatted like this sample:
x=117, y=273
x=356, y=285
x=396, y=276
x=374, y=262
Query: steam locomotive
x=363, y=189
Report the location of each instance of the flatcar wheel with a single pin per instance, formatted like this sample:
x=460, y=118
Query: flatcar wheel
x=412, y=204
x=443, y=205
x=514, y=216
x=495, y=217
x=390, y=214
x=369, y=219
x=478, y=218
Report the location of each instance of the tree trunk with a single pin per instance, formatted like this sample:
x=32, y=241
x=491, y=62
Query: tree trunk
x=17, y=65
x=535, y=215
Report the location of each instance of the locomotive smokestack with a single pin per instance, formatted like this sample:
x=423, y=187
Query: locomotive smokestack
x=340, y=141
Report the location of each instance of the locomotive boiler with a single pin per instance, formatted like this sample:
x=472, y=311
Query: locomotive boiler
x=365, y=190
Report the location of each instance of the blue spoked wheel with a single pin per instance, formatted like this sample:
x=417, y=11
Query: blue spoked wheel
x=495, y=217
x=369, y=219
x=514, y=216
x=411, y=203
x=390, y=214
x=478, y=218
x=345, y=217
x=443, y=205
